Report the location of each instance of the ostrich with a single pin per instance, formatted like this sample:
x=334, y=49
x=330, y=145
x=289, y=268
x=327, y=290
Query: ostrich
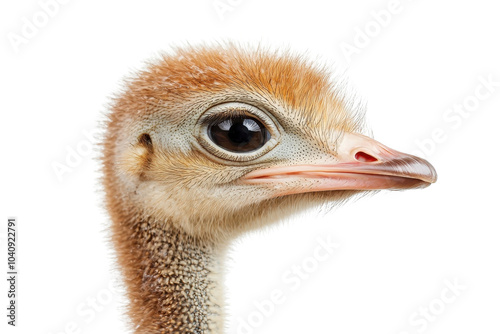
x=207, y=143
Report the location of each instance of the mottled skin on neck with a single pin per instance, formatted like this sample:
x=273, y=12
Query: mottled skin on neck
x=172, y=286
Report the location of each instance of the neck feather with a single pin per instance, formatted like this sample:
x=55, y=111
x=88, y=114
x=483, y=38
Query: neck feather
x=171, y=278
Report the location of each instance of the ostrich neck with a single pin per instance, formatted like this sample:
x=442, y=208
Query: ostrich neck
x=172, y=280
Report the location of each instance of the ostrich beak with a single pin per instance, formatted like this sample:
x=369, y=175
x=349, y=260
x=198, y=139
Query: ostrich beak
x=363, y=164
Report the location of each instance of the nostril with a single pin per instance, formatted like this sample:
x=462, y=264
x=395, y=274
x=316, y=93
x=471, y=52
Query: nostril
x=364, y=157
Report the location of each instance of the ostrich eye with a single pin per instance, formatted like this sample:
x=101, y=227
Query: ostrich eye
x=239, y=134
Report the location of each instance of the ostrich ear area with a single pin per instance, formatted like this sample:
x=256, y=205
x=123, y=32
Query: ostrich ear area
x=136, y=159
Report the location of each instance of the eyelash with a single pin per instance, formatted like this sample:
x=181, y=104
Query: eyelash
x=224, y=115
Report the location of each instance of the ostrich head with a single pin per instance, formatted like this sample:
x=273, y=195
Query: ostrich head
x=222, y=140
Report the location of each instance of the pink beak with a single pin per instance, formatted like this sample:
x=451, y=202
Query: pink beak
x=364, y=164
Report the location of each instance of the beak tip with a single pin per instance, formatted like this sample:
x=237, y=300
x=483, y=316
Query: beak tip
x=430, y=174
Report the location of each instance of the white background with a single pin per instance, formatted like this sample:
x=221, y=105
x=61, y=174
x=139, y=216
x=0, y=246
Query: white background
x=397, y=249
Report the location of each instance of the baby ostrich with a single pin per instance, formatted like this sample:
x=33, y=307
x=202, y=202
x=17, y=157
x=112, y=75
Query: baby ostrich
x=209, y=142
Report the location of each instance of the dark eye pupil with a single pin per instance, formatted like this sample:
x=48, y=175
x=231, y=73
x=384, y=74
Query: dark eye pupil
x=239, y=134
